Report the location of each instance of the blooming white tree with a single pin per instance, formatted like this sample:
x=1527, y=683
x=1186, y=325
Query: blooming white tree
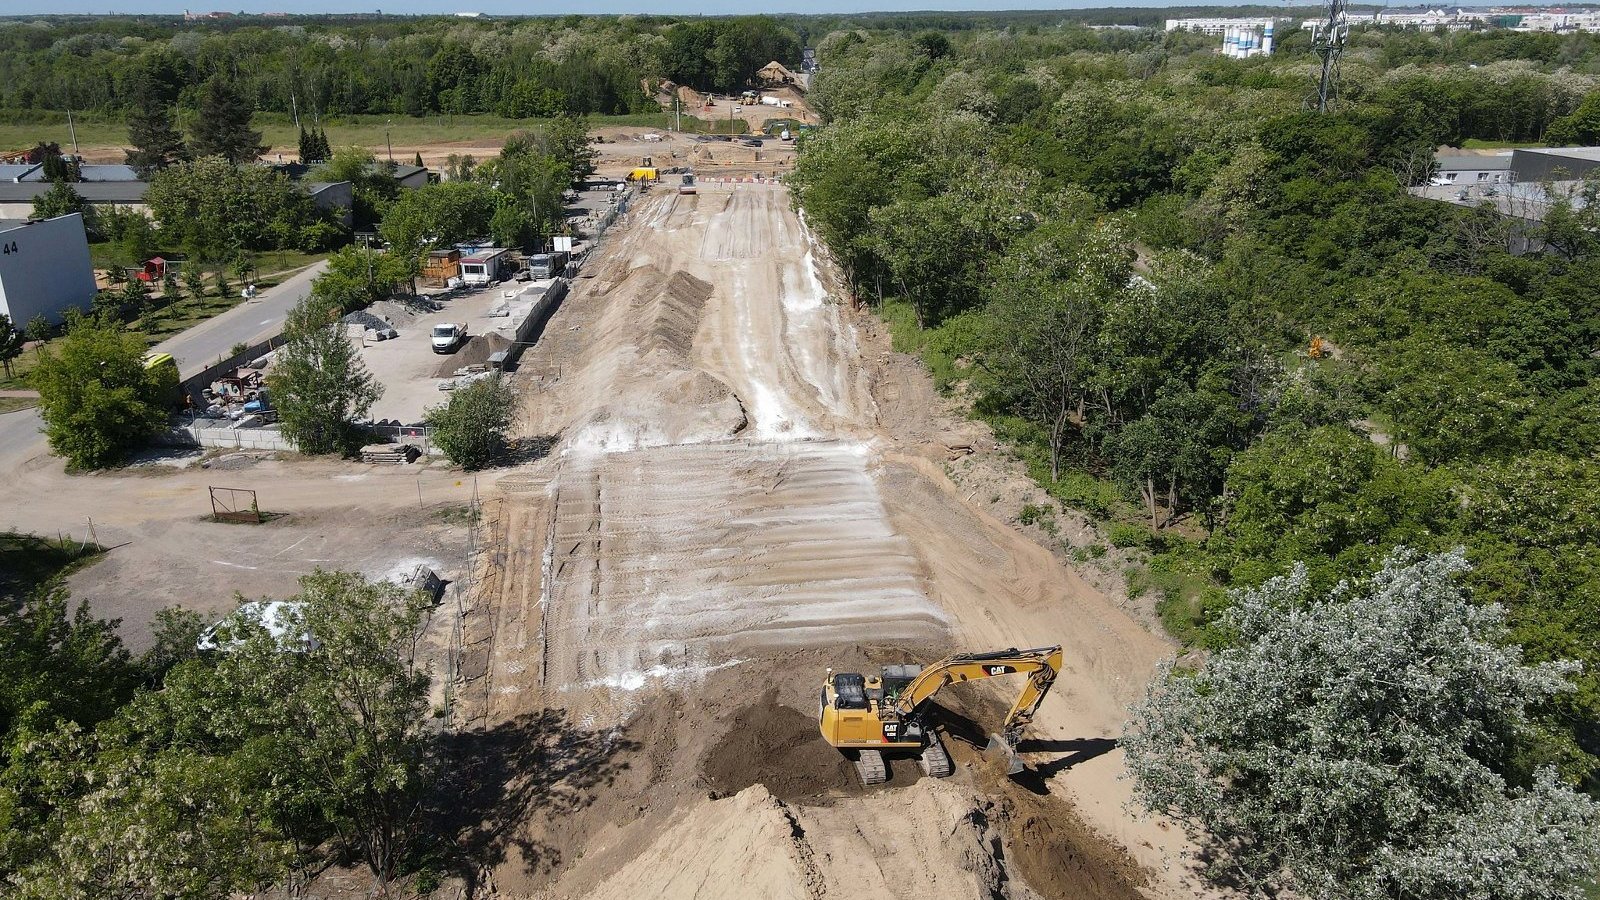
x=1358, y=746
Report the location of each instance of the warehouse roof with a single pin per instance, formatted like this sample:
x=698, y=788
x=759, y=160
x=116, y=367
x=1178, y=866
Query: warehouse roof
x=16, y=171
x=1588, y=153
x=1475, y=163
x=91, y=172
x=93, y=191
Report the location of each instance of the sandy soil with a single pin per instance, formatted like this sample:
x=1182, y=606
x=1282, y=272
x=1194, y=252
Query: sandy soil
x=748, y=489
x=165, y=550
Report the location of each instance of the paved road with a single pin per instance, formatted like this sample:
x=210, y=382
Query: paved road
x=194, y=349
x=247, y=323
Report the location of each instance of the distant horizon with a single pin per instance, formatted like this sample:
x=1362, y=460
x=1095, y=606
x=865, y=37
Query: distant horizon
x=513, y=9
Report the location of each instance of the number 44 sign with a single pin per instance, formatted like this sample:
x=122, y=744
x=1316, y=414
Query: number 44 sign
x=9, y=248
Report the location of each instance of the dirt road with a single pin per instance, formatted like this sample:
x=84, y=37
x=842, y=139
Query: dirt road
x=730, y=512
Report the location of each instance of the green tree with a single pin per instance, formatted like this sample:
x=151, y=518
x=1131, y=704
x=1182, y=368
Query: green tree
x=356, y=277
x=361, y=714
x=10, y=343
x=136, y=242
x=214, y=209
x=96, y=397
x=1579, y=128
x=1452, y=402
x=153, y=137
x=194, y=280
x=438, y=215
x=323, y=744
x=169, y=282
x=170, y=823
x=531, y=182
x=1531, y=524
x=222, y=127
x=334, y=736
x=471, y=426
x=37, y=331
x=318, y=383
x=1328, y=498
x=62, y=200
x=371, y=182
x=1360, y=745
x=1044, y=314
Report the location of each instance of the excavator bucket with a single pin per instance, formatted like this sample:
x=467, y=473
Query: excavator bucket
x=1002, y=751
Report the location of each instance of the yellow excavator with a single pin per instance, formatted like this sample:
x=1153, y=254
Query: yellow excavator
x=872, y=714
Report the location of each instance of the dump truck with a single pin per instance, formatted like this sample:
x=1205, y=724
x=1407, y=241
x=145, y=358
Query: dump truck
x=866, y=716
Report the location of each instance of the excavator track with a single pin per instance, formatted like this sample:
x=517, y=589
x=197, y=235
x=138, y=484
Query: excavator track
x=935, y=762
x=871, y=768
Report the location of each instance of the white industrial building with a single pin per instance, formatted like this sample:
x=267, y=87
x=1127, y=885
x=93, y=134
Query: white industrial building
x=1240, y=37
x=1472, y=168
x=44, y=269
x=1215, y=26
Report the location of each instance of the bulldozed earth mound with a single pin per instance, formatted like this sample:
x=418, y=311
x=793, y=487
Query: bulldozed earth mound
x=475, y=352
x=931, y=840
x=778, y=748
x=672, y=316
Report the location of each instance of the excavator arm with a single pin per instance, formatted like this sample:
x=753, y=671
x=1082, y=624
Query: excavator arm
x=1041, y=665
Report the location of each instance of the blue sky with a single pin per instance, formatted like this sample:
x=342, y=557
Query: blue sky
x=523, y=7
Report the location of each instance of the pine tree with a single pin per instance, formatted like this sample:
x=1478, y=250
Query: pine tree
x=308, y=147
x=153, y=135
x=324, y=150
x=223, y=127
x=419, y=160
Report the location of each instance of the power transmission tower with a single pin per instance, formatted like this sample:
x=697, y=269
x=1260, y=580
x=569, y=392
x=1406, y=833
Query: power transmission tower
x=1328, y=43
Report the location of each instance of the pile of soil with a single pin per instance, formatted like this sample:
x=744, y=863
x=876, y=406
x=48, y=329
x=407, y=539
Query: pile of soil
x=475, y=352
x=778, y=747
x=674, y=313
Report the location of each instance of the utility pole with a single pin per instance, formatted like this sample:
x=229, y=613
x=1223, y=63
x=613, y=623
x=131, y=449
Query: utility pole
x=1328, y=43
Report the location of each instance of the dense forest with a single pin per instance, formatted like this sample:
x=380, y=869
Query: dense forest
x=333, y=66
x=1121, y=247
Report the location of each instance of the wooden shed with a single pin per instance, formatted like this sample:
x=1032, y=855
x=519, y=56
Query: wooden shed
x=441, y=266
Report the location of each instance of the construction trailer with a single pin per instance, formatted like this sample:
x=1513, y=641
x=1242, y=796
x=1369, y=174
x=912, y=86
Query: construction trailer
x=482, y=266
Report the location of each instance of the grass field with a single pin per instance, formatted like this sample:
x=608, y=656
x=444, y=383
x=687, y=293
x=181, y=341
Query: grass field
x=21, y=129
x=1475, y=144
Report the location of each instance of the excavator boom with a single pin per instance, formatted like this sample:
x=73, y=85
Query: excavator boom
x=1040, y=664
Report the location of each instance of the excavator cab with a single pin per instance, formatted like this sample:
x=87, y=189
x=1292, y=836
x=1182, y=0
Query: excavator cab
x=850, y=691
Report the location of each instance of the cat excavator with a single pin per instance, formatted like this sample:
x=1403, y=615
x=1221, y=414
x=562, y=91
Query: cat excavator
x=873, y=714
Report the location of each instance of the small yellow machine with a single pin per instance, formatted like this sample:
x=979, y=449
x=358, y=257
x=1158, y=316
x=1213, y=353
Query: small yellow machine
x=871, y=714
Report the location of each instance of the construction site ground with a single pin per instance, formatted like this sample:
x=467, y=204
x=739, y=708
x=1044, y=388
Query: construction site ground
x=750, y=488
